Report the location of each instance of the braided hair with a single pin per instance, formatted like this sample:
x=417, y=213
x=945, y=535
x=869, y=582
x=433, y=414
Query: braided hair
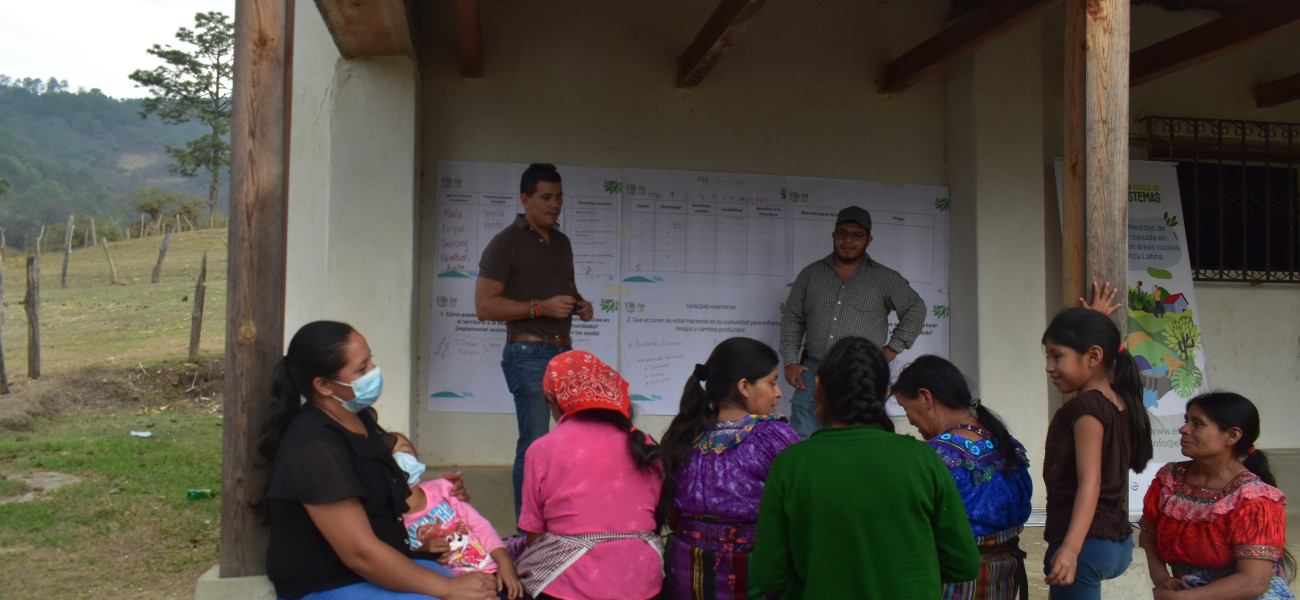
x=853, y=384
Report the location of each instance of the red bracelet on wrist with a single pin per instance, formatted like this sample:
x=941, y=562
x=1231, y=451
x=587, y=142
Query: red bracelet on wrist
x=534, y=309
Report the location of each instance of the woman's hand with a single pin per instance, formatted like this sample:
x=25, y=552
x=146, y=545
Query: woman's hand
x=1064, y=563
x=430, y=541
x=457, y=485
x=472, y=586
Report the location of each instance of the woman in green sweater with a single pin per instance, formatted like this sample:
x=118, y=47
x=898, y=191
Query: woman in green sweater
x=857, y=511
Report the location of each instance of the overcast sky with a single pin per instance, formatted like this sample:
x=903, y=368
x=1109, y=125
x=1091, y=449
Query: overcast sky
x=93, y=43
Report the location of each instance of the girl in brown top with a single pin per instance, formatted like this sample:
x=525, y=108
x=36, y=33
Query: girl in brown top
x=1092, y=442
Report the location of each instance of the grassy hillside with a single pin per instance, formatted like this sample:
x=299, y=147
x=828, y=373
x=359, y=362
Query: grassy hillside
x=81, y=153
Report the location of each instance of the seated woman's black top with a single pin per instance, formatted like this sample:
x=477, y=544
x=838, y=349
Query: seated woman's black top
x=320, y=462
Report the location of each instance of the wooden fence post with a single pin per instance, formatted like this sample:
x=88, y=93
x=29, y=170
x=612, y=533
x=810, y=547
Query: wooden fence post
x=67, y=251
x=112, y=269
x=2, y=243
x=157, y=269
x=4, y=373
x=196, y=317
x=32, y=304
x=91, y=241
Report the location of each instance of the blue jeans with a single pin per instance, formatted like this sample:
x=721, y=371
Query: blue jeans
x=524, y=363
x=368, y=591
x=803, y=413
x=1098, y=560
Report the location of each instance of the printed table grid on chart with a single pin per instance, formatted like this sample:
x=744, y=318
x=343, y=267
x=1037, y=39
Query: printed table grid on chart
x=682, y=237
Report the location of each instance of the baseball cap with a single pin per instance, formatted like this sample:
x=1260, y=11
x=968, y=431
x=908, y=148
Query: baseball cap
x=855, y=214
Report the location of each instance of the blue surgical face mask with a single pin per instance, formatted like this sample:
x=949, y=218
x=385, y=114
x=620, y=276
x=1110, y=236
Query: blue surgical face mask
x=412, y=465
x=365, y=389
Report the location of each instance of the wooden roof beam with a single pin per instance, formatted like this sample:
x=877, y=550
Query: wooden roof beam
x=1230, y=32
x=469, y=38
x=365, y=28
x=1276, y=93
x=959, y=39
x=726, y=24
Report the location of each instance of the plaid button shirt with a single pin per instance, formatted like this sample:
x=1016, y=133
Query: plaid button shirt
x=822, y=309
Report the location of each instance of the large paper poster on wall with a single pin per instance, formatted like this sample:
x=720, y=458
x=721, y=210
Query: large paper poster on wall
x=476, y=201
x=675, y=262
x=706, y=257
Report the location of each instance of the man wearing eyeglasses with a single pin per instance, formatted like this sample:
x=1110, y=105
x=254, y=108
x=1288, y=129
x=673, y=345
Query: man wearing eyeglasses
x=844, y=294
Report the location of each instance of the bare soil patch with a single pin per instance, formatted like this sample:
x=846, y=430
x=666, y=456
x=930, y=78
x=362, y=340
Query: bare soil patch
x=97, y=389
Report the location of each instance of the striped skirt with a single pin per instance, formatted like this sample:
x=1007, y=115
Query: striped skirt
x=708, y=560
x=1002, y=570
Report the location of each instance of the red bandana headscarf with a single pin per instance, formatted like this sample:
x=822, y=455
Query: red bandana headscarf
x=578, y=381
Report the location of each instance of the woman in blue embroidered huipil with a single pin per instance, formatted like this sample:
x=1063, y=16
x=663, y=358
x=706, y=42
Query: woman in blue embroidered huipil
x=988, y=465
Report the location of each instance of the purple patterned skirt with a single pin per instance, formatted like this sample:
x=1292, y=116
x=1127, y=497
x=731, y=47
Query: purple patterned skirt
x=709, y=560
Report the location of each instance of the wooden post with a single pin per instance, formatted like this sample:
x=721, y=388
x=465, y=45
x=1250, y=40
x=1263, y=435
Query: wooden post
x=2, y=244
x=162, y=252
x=90, y=241
x=255, y=293
x=1095, y=206
x=141, y=225
x=196, y=315
x=4, y=373
x=32, y=304
x=112, y=269
x=67, y=251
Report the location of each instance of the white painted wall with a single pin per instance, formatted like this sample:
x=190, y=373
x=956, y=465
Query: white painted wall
x=995, y=166
x=352, y=190
x=1251, y=332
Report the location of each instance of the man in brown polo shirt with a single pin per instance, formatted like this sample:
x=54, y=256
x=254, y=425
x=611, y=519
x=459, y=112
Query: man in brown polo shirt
x=526, y=279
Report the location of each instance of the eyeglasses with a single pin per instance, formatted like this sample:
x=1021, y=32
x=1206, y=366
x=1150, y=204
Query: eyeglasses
x=844, y=234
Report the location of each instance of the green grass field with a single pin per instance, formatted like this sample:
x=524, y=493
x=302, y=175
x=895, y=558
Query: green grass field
x=92, y=321
x=112, y=363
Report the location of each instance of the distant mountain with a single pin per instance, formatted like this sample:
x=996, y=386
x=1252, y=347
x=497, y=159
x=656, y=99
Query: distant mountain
x=82, y=153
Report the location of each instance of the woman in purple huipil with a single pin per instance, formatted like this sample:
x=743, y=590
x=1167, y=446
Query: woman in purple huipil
x=716, y=455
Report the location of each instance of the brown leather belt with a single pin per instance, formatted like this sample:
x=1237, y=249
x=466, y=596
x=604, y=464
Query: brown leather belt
x=554, y=340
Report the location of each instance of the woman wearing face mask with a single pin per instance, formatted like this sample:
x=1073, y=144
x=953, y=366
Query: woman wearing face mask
x=336, y=496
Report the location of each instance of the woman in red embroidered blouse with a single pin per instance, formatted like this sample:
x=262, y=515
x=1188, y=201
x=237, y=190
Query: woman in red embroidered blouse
x=1217, y=520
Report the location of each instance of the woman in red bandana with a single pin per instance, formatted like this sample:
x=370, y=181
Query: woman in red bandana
x=590, y=490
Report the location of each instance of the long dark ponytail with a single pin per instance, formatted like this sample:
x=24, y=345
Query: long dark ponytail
x=1229, y=410
x=710, y=386
x=645, y=453
x=319, y=349
x=1081, y=328
x=948, y=385
x=852, y=383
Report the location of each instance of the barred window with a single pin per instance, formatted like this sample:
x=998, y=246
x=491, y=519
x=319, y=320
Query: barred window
x=1239, y=183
